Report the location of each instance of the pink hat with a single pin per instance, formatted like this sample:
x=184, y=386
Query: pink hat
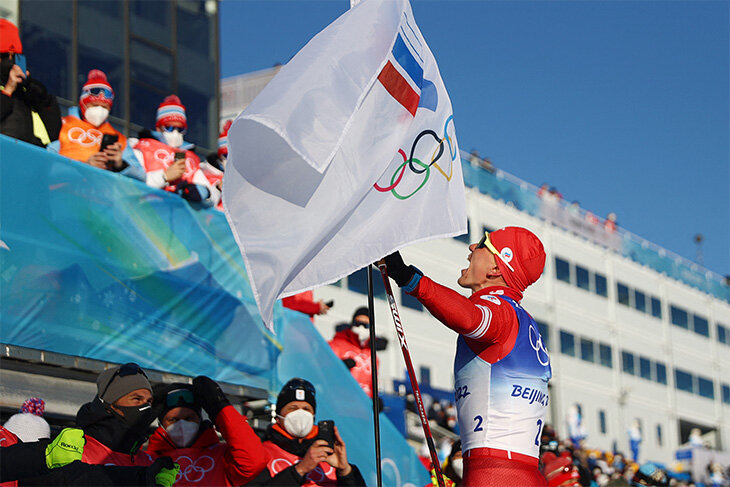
x=223, y=139
x=523, y=251
x=171, y=110
x=96, y=90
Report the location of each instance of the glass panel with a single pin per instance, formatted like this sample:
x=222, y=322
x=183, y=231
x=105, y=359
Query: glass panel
x=602, y=421
x=627, y=362
x=679, y=317
x=562, y=270
x=656, y=308
x=622, y=293
x=721, y=334
x=659, y=440
x=605, y=355
x=194, y=29
x=46, y=36
x=586, y=350
x=582, y=278
x=661, y=373
x=701, y=326
x=707, y=388
x=151, y=66
x=645, y=368
x=683, y=380
x=567, y=343
x=409, y=301
x=601, y=285
x=544, y=333
x=196, y=109
x=143, y=102
x=358, y=282
x=152, y=19
x=466, y=238
x=726, y=394
x=639, y=300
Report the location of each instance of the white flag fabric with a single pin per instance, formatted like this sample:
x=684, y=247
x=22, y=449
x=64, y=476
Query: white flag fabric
x=347, y=155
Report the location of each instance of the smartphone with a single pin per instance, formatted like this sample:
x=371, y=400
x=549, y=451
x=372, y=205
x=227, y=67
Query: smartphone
x=330, y=303
x=107, y=140
x=327, y=432
x=179, y=155
x=20, y=61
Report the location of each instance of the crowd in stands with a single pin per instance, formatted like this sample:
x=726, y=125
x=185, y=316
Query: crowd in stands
x=161, y=157
x=200, y=439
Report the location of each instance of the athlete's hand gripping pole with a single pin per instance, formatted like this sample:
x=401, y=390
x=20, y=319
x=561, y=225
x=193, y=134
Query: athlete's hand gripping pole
x=411, y=373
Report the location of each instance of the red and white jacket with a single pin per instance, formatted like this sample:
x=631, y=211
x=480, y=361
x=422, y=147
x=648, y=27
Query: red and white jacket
x=346, y=344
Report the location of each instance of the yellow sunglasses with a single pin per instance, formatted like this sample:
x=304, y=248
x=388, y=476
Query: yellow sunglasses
x=485, y=243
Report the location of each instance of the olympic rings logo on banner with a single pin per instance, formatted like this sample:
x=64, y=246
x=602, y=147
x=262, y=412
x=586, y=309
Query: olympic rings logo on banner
x=86, y=138
x=417, y=166
x=163, y=156
x=194, y=470
x=538, y=346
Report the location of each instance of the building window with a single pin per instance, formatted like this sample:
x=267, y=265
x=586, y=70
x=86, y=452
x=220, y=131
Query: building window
x=601, y=285
x=645, y=368
x=358, y=282
x=639, y=301
x=706, y=388
x=722, y=335
x=622, y=294
x=627, y=363
x=544, y=333
x=604, y=353
x=602, y=421
x=683, y=380
x=659, y=439
x=679, y=317
x=726, y=394
x=567, y=343
x=410, y=302
x=586, y=350
x=465, y=238
x=562, y=270
x=656, y=308
x=701, y=326
x=661, y=373
x=582, y=278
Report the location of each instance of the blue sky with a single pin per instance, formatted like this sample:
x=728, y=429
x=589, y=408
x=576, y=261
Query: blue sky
x=623, y=106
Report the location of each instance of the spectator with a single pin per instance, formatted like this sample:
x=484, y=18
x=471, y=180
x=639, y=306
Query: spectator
x=297, y=456
x=452, y=468
x=304, y=303
x=352, y=345
x=499, y=352
x=650, y=474
x=157, y=152
x=192, y=442
x=610, y=223
x=635, y=439
x=85, y=127
x=27, y=111
x=28, y=425
x=215, y=163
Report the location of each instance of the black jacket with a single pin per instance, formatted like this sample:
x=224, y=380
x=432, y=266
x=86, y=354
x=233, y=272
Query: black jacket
x=109, y=429
x=15, y=112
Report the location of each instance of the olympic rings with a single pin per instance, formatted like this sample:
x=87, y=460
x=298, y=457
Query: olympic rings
x=538, y=346
x=86, y=138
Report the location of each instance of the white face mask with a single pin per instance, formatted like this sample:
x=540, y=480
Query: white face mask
x=173, y=139
x=183, y=432
x=96, y=115
x=362, y=333
x=458, y=465
x=299, y=423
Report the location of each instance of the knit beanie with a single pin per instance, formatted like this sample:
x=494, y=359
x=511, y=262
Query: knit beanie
x=223, y=139
x=28, y=425
x=119, y=381
x=171, y=110
x=296, y=390
x=175, y=395
x=361, y=311
x=96, y=79
x=523, y=251
x=9, y=37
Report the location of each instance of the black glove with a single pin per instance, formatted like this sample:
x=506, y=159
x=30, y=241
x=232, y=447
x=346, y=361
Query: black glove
x=214, y=161
x=209, y=394
x=349, y=363
x=193, y=192
x=398, y=270
x=163, y=472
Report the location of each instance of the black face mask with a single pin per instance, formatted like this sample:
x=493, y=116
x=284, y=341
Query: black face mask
x=138, y=418
x=5, y=66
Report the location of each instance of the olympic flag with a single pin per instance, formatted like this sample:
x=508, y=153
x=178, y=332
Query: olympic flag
x=348, y=154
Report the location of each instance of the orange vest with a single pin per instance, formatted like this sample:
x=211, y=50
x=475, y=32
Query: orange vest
x=80, y=140
x=158, y=156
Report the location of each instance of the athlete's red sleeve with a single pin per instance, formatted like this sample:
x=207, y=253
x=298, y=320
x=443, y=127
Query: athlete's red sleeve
x=481, y=320
x=302, y=302
x=245, y=456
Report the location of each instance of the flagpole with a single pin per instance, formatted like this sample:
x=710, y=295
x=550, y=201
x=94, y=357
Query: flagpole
x=374, y=374
x=411, y=373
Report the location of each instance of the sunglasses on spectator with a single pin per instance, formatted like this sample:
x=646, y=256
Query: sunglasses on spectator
x=170, y=128
x=361, y=323
x=485, y=243
x=123, y=371
x=96, y=91
x=179, y=397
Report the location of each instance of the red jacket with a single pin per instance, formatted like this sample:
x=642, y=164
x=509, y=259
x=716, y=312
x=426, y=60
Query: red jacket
x=279, y=459
x=7, y=438
x=303, y=302
x=97, y=453
x=346, y=345
x=210, y=462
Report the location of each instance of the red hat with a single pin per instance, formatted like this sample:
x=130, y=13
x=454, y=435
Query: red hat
x=559, y=471
x=9, y=37
x=96, y=90
x=523, y=251
x=223, y=139
x=171, y=110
